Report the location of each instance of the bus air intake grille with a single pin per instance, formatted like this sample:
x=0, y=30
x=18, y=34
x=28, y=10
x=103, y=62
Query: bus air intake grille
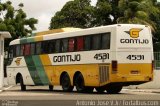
x=103, y=73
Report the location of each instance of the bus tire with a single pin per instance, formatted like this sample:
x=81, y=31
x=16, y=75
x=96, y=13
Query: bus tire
x=50, y=87
x=100, y=89
x=79, y=83
x=23, y=87
x=66, y=83
x=113, y=89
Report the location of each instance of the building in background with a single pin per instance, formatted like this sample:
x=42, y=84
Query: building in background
x=3, y=35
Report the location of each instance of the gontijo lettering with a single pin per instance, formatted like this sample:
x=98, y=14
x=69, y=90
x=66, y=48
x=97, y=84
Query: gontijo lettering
x=135, y=41
x=67, y=58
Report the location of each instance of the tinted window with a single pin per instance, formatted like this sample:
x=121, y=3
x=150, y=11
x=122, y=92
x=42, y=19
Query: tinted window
x=10, y=56
x=71, y=44
x=22, y=50
x=38, y=48
x=44, y=47
x=51, y=46
x=96, y=42
x=87, y=43
x=57, y=46
x=106, y=41
x=18, y=50
x=14, y=50
x=64, y=45
x=27, y=49
x=80, y=43
x=32, y=48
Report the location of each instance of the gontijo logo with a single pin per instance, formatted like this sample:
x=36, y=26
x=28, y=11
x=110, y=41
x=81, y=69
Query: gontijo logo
x=134, y=32
x=134, y=37
x=18, y=61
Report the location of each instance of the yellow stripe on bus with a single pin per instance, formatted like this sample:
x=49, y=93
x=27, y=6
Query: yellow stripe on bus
x=39, y=38
x=45, y=60
x=131, y=72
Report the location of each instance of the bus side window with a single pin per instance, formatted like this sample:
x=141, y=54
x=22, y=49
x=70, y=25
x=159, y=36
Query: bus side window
x=22, y=50
x=80, y=43
x=44, y=47
x=106, y=41
x=33, y=48
x=96, y=42
x=64, y=45
x=71, y=44
x=18, y=50
x=27, y=49
x=57, y=46
x=51, y=47
x=14, y=50
x=47, y=47
x=87, y=43
x=38, y=48
x=10, y=56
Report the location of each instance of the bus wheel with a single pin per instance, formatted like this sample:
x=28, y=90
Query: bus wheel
x=51, y=87
x=66, y=83
x=23, y=87
x=79, y=83
x=113, y=89
x=101, y=89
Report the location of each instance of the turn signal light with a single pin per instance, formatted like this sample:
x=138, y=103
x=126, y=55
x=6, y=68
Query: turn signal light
x=114, y=65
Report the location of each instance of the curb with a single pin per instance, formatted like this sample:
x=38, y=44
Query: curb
x=5, y=88
x=143, y=90
x=155, y=91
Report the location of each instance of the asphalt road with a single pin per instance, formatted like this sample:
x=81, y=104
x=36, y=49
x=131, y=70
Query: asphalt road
x=41, y=96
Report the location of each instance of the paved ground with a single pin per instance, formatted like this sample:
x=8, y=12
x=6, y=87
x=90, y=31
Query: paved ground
x=41, y=96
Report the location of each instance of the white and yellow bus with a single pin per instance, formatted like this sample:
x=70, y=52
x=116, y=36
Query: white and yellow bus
x=105, y=58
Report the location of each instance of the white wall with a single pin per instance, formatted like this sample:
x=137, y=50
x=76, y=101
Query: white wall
x=1, y=61
x=150, y=85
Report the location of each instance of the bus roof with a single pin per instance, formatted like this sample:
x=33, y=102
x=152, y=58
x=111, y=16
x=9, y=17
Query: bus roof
x=68, y=29
x=66, y=32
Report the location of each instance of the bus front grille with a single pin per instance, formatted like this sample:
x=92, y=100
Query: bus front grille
x=103, y=73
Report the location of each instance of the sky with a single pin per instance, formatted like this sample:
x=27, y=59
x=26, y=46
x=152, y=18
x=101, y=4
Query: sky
x=42, y=10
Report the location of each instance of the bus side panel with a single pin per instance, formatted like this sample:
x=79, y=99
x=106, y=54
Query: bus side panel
x=11, y=76
x=47, y=68
x=13, y=72
x=19, y=66
x=89, y=72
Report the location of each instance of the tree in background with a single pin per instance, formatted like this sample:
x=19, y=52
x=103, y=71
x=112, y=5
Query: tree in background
x=136, y=12
x=15, y=21
x=145, y=12
x=155, y=17
x=80, y=13
x=102, y=13
x=77, y=13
